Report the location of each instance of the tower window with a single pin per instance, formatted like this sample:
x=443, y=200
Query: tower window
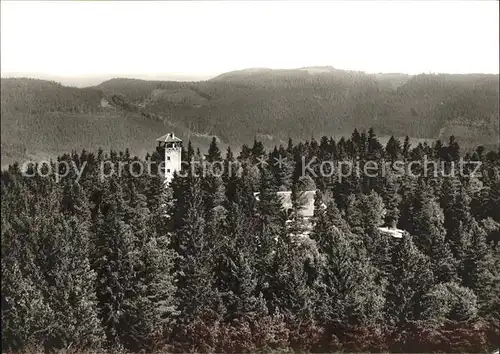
x=168, y=170
x=168, y=158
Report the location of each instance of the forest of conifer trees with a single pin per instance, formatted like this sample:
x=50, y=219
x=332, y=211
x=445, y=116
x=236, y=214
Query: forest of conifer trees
x=125, y=264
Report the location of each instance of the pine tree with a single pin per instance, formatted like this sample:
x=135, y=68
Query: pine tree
x=449, y=302
x=375, y=150
x=25, y=313
x=457, y=216
x=270, y=225
x=114, y=265
x=114, y=260
x=347, y=292
x=288, y=291
x=231, y=176
x=492, y=229
x=72, y=296
x=365, y=213
x=410, y=278
x=196, y=294
x=478, y=269
x=244, y=193
x=50, y=266
x=214, y=191
x=493, y=198
x=406, y=148
x=417, y=153
x=245, y=154
x=430, y=236
x=189, y=153
x=453, y=149
x=236, y=273
x=152, y=311
x=214, y=153
x=75, y=202
x=325, y=220
x=354, y=216
x=356, y=144
x=392, y=201
x=284, y=168
x=438, y=152
x=257, y=151
x=393, y=149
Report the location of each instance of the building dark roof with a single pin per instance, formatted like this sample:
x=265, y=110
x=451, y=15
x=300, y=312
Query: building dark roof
x=169, y=138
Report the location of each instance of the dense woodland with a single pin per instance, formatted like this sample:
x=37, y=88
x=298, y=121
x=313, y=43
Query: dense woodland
x=237, y=106
x=42, y=118
x=126, y=264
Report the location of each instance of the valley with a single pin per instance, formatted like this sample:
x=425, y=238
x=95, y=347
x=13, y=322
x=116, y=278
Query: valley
x=45, y=118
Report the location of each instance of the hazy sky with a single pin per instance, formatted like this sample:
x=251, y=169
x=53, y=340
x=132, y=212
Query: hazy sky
x=73, y=38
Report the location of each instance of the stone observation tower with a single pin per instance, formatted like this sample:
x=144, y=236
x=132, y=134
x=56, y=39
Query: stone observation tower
x=171, y=146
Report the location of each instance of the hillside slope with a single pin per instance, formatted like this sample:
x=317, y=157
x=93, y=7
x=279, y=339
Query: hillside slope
x=42, y=118
x=300, y=103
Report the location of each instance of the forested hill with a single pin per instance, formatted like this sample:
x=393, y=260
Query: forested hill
x=117, y=263
x=315, y=101
x=237, y=107
x=41, y=119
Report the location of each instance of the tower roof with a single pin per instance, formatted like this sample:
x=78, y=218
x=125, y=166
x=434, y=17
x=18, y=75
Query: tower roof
x=169, y=138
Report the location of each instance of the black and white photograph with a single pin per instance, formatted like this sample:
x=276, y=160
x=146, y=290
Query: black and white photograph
x=250, y=176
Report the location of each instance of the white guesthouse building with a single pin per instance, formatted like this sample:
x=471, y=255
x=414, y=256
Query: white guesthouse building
x=172, y=146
